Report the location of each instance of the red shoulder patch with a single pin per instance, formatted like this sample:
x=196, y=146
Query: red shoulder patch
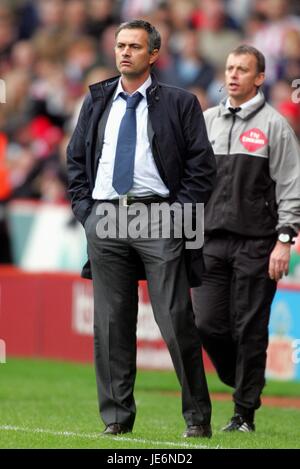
x=253, y=139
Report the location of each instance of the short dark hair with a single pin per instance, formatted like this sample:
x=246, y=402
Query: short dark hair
x=153, y=34
x=246, y=49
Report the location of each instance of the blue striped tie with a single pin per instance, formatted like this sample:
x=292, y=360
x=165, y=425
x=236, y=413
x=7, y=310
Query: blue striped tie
x=126, y=144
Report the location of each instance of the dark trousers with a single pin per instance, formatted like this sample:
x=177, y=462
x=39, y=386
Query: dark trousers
x=232, y=310
x=115, y=318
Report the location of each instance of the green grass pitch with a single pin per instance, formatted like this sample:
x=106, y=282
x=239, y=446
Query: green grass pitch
x=47, y=404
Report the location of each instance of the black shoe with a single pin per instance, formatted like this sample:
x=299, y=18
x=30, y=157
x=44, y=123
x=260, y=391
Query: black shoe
x=238, y=423
x=116, y=429
x=198, y=431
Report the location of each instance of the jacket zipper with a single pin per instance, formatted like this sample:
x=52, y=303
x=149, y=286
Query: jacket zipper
x=230, y=133
x=226, y=173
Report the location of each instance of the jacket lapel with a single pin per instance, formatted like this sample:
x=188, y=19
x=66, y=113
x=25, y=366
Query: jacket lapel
x=101, y=94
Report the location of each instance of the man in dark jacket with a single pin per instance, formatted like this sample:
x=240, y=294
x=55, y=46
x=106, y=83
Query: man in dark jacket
x=140, y=141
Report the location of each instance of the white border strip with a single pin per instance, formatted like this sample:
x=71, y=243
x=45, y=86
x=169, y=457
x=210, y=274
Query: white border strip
x=96, y=436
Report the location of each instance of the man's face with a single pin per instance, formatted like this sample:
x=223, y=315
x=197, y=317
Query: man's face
x=241, y=77
x=133, y=58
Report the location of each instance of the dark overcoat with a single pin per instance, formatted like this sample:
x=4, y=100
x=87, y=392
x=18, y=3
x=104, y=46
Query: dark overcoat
x=180, y=147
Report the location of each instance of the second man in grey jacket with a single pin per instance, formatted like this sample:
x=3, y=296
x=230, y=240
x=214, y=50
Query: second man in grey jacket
x=250, y=222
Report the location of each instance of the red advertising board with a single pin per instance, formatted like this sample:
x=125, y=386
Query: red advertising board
x=51, y=316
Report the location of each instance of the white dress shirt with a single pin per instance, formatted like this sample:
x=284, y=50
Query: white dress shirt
x=146, y=179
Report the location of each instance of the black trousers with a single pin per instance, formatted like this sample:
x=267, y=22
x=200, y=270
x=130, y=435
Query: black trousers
x=115, y=318
x=232, y=310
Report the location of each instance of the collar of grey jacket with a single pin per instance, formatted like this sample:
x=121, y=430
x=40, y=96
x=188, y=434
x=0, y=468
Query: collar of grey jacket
x=234, y=110
x=246, y=113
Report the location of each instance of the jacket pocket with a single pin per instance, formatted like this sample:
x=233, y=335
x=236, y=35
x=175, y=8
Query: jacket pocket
x=271, y=208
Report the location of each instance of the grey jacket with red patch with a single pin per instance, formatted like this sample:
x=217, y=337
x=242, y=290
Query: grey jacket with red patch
x=258, y=181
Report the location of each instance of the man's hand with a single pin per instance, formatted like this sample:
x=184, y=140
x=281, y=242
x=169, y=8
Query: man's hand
x=279, y=261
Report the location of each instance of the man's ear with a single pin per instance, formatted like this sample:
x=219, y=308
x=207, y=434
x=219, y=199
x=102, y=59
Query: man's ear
x=153, y=56
x=259, y=79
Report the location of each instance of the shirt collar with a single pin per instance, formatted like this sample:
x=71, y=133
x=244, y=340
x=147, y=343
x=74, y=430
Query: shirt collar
x=247, y=104
x=142, y=89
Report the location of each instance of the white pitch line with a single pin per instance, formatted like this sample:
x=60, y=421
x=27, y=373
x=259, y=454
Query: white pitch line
x=95, y=436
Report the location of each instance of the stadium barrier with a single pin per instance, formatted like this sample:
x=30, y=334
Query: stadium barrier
x=50, y=315
x=45, y=236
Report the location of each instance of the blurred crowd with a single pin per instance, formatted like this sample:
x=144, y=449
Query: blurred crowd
x=51, y=50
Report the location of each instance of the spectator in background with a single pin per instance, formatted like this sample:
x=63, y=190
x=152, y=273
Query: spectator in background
x=291, y=111
x=137, y=8
x=254, y=24
x=8, y=35
x=80, y=56
x=33, y=150
x=239, y=11
x=270, y=39
x=279, y=92
x=180, y=12
x=192, y=69
x=161, y=14
x=48, y=91
x=101, y=15
x=107, y=58
x=17, y=83
x=27, y=19
x=250, y=222
x=218, y=33
x=165, y=66
x=23, y=57
x=51, y=14
x=48, y=47
x=289, y=63
x=75, y=17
